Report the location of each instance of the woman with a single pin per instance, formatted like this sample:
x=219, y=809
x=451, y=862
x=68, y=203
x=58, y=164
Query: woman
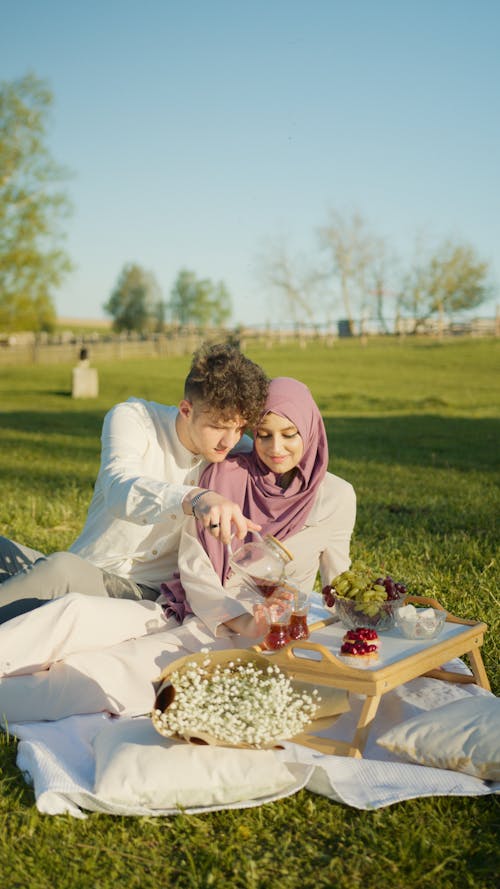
x=78, y=654
x=284, y=486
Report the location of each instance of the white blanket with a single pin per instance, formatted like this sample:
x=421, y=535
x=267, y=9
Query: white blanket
x=69, y=666
x=380, y=778
x=57, y=758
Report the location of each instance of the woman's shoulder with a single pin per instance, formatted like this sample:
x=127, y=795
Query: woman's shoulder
x=334, y=493
x=334, y=483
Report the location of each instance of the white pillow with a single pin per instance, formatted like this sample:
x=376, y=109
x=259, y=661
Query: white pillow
x=136, y=766
x=463, y=736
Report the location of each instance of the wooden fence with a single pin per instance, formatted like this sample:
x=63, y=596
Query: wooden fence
x=24, y=349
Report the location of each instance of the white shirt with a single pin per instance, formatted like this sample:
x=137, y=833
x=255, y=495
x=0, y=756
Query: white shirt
x=134, y=522
x=323, y=543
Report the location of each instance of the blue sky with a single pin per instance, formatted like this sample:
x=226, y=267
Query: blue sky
x=200, y=133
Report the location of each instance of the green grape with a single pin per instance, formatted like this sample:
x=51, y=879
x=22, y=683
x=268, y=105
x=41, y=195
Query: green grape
x=363, y=586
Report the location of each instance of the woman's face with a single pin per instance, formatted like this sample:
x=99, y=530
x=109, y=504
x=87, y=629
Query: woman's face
x=278, y=443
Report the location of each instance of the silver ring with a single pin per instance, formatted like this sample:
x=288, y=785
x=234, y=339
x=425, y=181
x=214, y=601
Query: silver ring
x=214, y=526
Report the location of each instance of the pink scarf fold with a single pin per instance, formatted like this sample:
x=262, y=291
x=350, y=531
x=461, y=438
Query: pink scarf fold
x=247, y=481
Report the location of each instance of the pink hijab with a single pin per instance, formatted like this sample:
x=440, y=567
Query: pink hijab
x=247, y=481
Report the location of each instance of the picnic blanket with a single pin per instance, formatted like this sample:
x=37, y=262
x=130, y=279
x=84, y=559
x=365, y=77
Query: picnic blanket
x=57, y=758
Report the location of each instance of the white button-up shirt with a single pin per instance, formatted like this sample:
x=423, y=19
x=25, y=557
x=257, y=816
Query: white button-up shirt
x=134, y=522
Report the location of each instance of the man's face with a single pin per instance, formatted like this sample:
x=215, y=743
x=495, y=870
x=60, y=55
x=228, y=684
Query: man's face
x=203, y=433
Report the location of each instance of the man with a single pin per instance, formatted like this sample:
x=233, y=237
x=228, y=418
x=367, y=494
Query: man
x=151, y=459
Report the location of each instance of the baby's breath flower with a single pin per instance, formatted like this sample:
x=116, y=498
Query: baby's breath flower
x=238, y=704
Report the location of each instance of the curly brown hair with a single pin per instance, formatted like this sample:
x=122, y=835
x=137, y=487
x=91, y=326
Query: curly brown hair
x=227, y=384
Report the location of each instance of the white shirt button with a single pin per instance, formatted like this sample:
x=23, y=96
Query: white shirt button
x=173, y=516
x=194, y=460
x=155, y=552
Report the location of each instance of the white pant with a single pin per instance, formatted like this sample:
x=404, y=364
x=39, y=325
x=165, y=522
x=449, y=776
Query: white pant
x=80, y=654
x=28, y=579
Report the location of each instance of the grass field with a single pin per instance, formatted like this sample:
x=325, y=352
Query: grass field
x=414, y=426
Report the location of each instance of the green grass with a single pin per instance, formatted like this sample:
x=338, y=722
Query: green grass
x=414, y=426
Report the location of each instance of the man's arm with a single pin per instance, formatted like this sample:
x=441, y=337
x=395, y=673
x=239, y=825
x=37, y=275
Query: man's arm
x=140, y=483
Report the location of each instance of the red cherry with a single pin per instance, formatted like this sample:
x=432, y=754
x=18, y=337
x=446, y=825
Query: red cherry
x=348, y=648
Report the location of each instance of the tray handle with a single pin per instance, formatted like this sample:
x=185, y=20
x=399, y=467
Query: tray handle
x=288, y=653
x=433, y=603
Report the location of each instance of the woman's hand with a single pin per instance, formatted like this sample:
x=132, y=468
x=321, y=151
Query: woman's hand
x=264, y=614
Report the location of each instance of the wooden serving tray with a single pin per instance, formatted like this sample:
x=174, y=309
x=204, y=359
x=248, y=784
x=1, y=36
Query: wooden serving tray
x=316, y=662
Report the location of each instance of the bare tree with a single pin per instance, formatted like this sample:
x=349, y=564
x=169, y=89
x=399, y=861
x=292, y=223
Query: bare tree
x=294, y=280
x=381, y=277
x=351, y=248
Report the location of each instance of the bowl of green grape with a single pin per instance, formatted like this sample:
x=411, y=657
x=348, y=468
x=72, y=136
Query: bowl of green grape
x=361, y=597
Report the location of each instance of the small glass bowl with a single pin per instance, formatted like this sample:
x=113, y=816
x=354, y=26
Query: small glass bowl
x=351, y=615
x=423, y=626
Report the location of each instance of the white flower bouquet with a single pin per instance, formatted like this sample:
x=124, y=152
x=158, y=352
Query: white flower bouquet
x=231, y=698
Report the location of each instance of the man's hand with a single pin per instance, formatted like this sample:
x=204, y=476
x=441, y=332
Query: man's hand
x=218, y=514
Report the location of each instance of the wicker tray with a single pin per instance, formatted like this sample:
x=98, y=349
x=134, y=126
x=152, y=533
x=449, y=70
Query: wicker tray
x=333, y=703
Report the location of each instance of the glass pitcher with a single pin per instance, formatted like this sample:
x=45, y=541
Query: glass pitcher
x=262, y=563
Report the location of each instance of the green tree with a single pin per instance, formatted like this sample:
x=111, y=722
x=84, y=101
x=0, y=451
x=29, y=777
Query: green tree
x=199, y=301
x=32, y=207
x=135, y=303
x=449, y=280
